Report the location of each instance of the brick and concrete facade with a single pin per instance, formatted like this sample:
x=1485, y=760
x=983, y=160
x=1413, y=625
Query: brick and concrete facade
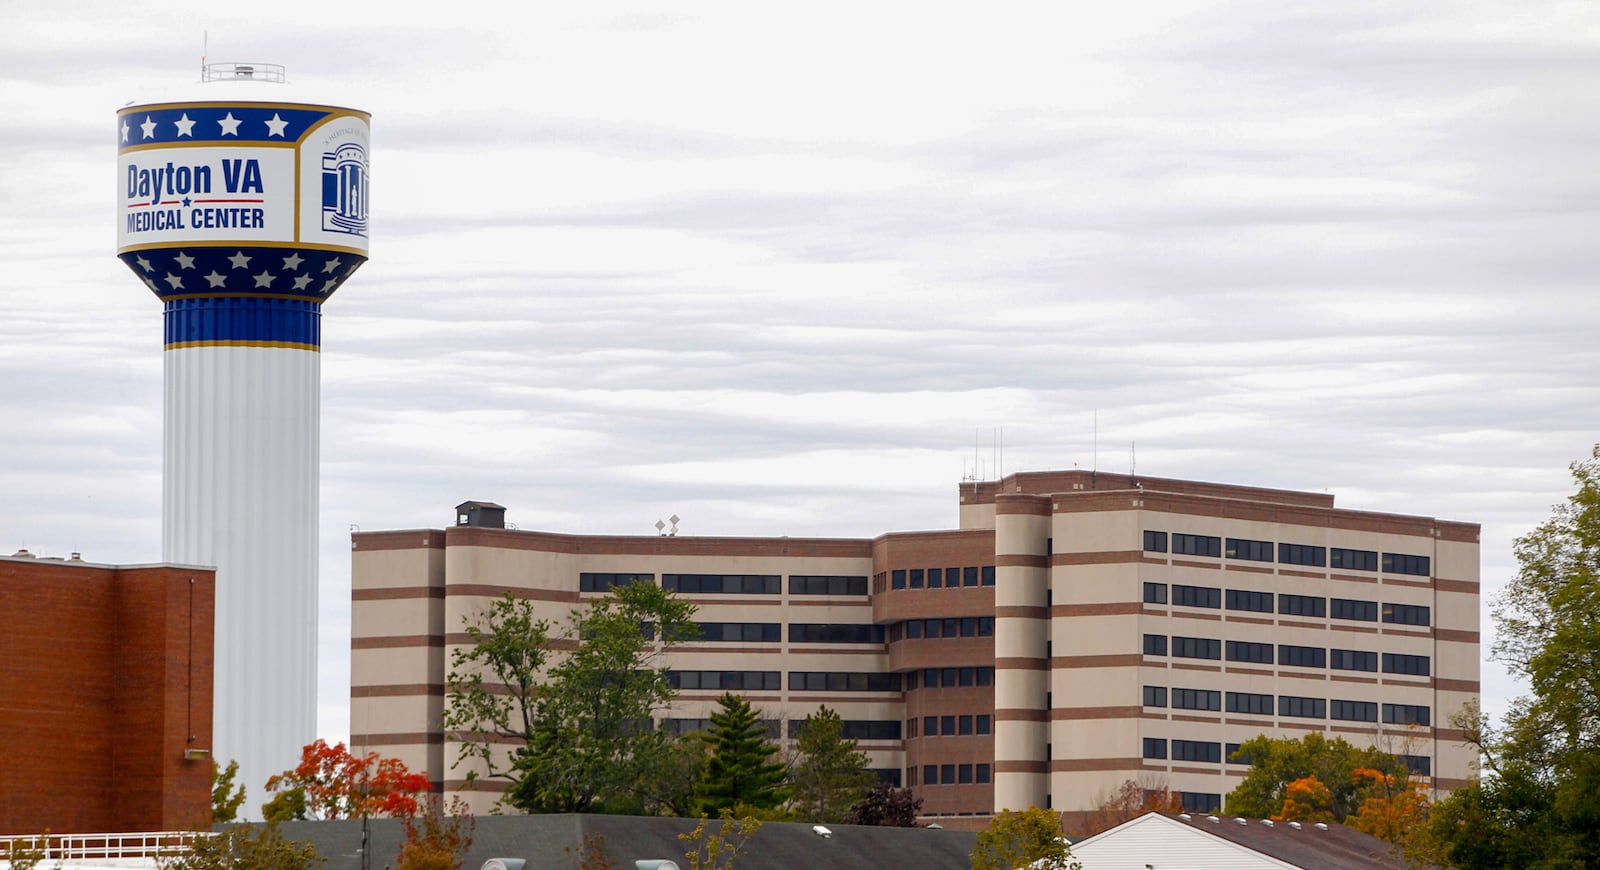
x=105, y=685
x=1077, y=631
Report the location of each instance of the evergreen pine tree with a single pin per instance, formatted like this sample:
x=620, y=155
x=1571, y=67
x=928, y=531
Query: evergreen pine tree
x=827, y=775
x=738, y=773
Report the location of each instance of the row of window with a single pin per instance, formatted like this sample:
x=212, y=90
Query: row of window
x=857, y=729
x=1287, y=655
x=678, y=726
x=950, y=678
x=1287, y=554
x=1213, y=753
x=946, y=578
x=742, y=584
x=952, y=726
x=952, y=774
x=1255, y=704
x=771, y=681
x=722, y=584
x=955, y=626
x=799, y=632
x=1251, y=601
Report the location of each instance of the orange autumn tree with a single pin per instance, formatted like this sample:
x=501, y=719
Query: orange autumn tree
x=333, y=783
x=1307, y=799
x=1390, y=805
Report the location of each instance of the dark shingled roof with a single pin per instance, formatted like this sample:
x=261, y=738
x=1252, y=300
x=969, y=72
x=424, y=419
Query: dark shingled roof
x=552, y=842
x=1334, y=848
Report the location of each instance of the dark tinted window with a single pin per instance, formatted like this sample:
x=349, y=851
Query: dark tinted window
x=1243, y=651
x=1354, y=560
x=1400, y=563
x=1406, y=614
x=1303, y=708
x=1302, y=605
x=1196, y=596
x=1253, y=551
x=1247, y=702
x=1302, y=554
x=1243, y=599
x=1196, y=545
x=1344, y=608
x=1302, y=656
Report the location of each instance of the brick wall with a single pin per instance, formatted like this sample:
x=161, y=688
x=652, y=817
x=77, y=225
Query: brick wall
x=105, y=676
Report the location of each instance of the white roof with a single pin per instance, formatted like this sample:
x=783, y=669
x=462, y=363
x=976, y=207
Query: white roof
x=1162, y=843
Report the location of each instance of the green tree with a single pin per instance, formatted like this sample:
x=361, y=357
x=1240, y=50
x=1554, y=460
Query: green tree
x=667, y=782
x=1030, y=838
x=245, y=847
x=591, y=738
x=885, y=806
x=739, y=773
x=226, y=798
x=288, y=805
x=494, y=682
x=1277, y=762
x=827, y=775
x=1535, y=806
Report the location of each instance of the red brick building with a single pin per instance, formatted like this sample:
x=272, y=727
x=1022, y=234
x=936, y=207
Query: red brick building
x=105, y=696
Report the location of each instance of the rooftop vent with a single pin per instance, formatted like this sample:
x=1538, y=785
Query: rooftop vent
x=1267, y=822
x=1184, y=816
x=1213, y=819
x=1322, y=826
x=23, y=554
x=504, y=864
x=1295, y=825
x=483, y=514
x=1240, y=822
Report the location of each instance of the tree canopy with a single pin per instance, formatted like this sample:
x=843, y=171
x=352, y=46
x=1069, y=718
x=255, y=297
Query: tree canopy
x=1029, y=838
x=739, y=774
x=827, y=775
x=1535, y=805
x=591, y=737
x=1279, y=761
x=334, y=783
x=885, y=806
x=494, y=681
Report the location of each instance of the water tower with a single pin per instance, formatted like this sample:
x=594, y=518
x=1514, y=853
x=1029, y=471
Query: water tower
x=243, y=210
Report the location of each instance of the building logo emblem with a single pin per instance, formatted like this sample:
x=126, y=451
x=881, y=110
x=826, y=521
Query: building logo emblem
x=344, y=189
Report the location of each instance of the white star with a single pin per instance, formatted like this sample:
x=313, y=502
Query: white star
x=264, y=279
x=276, y=125
x=214, y=279
x=185, y=126
x=239, y=260
x=184, y=261
x=330, y=265
x=301, y=281
x=143, y=263
x=230, y=125
x=152, y=285
x=328, y=285
x=175, y=281
x=124, y=129
x=292, y=263
x=149, y=127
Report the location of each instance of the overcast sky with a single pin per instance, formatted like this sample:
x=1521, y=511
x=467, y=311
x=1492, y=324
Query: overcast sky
x=781, y=269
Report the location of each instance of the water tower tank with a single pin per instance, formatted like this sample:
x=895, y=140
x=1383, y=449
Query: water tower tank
x=243, y=208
